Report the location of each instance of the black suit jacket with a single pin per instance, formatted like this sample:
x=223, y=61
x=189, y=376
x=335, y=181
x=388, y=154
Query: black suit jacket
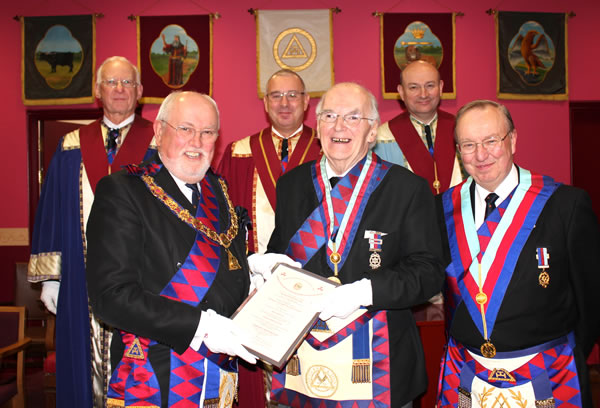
x=135, y=246
x=402, y=206
x=530, y=314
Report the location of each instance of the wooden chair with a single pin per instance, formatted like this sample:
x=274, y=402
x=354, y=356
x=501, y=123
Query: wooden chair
x=12, y=341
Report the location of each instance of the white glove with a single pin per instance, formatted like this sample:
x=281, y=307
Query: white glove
x=263, y=264
x=49, y=294
x=221, y=335
x=347, y=299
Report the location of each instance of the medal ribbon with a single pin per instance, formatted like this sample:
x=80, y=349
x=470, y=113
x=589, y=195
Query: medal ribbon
x=343, y=204
x=503, y=250
x=189, y=285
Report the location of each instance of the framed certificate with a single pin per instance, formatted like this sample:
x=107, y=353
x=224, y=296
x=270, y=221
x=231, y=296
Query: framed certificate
x=278, y=316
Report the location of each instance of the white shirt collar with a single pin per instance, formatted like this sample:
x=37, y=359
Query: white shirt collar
x=503, y=190
x=283, y=137
x=111, y=125
x=187, y=192
x=331, y=173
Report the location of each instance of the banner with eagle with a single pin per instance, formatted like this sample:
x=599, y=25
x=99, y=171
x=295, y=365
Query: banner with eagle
x=299, y=40
x=532, y=55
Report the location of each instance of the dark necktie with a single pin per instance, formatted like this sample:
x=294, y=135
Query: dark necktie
x=195, y=194
x=111, y=143
x=284, y=149
x=490, y=204
x=429, y=139
x=333, y=181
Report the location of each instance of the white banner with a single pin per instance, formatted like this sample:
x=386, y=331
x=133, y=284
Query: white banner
x=299, y=40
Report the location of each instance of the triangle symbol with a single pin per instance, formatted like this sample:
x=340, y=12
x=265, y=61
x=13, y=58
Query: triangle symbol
x=294, y=49
x=136, y=351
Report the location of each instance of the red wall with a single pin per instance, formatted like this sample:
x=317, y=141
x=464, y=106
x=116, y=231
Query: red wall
x=543, y=127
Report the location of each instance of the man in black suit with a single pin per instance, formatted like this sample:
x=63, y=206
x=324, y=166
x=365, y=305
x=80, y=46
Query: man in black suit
x=522, y=282
x=383, y=246
x=165, y=279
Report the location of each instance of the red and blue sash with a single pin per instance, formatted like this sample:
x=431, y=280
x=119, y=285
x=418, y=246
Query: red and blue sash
x=502, y=236
x=134, y=382
x=314, y=232
x=551, y=372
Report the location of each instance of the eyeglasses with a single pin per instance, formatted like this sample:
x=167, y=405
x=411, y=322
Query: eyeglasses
x=125, y=83
x=350, y=119
x=489, y=144
x=292, y=96
x=189, y=132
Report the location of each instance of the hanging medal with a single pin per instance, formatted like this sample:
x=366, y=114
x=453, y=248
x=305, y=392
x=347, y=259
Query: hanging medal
x=542, y=257
x=375, y=243
x=336, y=233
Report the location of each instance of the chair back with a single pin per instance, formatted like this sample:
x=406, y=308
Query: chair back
x=12, y=321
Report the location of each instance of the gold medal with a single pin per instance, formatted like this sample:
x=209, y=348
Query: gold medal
x=481, y=298
x=375, y=260
x=488, y=350
x=437, y=185
x=335, y=258
x=544, y=279
x=335, y=279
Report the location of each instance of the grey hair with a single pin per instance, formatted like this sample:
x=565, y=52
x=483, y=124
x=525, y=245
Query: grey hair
x=286, y=72
x=373, y=110
x=167, y=104
x=119, y=59
x=482, y=104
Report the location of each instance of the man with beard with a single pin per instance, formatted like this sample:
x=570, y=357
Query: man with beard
x=167, y=267
x=177, y=53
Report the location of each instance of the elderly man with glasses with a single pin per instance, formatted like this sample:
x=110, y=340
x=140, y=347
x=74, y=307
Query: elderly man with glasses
x=58, y=245
x=369, y=225
x=521, y=284
x=252, y=166
x=167, y=267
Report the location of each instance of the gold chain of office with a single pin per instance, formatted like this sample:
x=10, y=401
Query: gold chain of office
x=223, y=239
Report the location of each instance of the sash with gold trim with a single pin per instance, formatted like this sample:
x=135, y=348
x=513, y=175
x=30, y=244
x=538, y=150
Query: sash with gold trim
x=314, y=232
x=267, y=160
x=551, y=371
x=418, y=155
x=134, y=382
x=504, y=247
x=93, y=152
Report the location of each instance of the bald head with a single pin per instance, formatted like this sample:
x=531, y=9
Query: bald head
x=421, y=89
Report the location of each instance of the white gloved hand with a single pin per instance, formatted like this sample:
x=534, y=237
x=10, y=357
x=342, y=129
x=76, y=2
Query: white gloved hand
x=347, y=299
x=49, y=295
x=221, y=335
x=262, y=264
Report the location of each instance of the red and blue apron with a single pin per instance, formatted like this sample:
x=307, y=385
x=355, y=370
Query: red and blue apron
x=483, y=261
x=350, y=367
x=193, y=373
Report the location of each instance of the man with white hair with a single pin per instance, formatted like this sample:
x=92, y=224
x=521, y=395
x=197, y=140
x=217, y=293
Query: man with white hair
x=58, y=245
x=167, y=266
x=370, y=225
x=522, y=278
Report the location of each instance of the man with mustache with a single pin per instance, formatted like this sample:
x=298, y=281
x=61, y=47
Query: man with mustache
x=167, y=267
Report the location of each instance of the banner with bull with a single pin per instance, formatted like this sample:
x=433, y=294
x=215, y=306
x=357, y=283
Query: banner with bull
x=174, y=53
x=531, y=52
x=407, y=37
x=58, y=59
